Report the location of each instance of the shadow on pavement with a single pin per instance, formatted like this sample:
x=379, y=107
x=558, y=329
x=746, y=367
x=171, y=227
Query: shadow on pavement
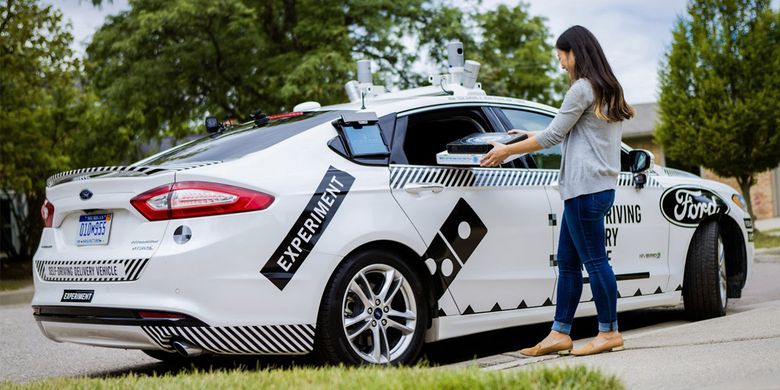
x=438, y=353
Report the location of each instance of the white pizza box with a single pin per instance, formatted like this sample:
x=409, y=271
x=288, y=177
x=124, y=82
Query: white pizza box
x=445, y=158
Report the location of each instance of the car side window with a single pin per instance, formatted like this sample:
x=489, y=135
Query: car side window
x=429, y=133
x=549, y=158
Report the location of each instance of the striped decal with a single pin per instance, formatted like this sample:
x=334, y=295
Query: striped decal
x=87, y=173
x=470, y=177
x=238, y=340
x=400, y=175
x=133, y=269
x=627, y=180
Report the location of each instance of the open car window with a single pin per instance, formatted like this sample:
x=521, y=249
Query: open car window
x=429, y=133
x=549, y=158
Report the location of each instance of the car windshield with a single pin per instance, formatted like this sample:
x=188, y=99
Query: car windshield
x=240, y=141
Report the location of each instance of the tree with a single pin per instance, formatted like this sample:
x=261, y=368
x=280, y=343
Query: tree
x=515, y=53
x=38, y=106
x=720, y=89
x=160, y=67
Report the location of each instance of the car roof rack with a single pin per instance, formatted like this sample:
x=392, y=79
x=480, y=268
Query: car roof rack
x=461, y=80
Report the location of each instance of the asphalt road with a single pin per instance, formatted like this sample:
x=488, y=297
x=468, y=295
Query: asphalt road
x=25, y=354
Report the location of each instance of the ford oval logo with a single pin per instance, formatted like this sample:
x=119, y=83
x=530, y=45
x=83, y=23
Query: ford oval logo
x=687, y=206
x=85, y=194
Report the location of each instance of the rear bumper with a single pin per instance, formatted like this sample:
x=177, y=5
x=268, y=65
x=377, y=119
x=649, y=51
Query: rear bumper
x=124, y=328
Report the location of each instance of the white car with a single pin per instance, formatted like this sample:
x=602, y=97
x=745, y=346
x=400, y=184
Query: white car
x=334, y=230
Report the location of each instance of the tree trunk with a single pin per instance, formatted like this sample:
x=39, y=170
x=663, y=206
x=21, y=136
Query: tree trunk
x=745, y=182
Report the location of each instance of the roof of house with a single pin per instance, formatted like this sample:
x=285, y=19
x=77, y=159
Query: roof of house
x=643, y=123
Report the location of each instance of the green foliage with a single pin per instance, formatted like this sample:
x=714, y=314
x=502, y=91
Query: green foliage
x=517, y=56
x=577, y=377
x=767, y=239
x=161, y=67
x=157, y=70
x=38, y=106
x=720, y=89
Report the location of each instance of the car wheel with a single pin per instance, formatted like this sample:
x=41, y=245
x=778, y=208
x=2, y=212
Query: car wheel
x=167, y=357
x=705, y=284
x=373, y=311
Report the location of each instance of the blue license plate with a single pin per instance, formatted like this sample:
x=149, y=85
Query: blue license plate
x=94, y=229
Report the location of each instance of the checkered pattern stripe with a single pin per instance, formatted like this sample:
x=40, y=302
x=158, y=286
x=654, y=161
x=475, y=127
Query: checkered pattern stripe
x=627, y=180
x=486, y=177
x=86, y=173
x=470, y=177
x=133, y=269
x=238, y=340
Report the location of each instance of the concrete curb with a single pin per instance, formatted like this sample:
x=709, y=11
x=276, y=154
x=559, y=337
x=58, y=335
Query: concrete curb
x=767, y=252
x=16, y=297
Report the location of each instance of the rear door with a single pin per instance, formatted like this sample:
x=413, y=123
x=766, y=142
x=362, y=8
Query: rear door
x=487, y=229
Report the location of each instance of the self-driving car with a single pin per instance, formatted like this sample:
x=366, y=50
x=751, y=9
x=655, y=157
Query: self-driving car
x=340, y=230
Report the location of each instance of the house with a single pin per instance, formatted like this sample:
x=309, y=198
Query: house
x=9, y=235
x=638, y=133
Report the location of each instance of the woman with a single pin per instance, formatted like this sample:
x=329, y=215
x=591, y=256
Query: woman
x=589, y=125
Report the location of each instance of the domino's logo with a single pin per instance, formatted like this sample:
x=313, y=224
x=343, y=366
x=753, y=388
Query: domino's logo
x=453, y=245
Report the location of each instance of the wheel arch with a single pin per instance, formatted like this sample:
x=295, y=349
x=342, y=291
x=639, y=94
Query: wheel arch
x=406, y=253
x=734, y=246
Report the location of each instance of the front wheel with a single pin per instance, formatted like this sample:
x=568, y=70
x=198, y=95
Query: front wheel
x=373, y=311
x=705, y=284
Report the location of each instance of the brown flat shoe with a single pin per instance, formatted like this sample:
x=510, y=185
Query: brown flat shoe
x=562, y=346
x=612, y=344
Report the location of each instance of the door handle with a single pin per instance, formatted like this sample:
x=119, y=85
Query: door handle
x=416, y=188
x=555, y=185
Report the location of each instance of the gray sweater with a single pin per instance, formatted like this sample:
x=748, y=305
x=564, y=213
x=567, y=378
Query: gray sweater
x=591, y=146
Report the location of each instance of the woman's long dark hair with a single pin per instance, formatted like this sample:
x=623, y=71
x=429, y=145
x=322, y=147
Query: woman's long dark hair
x=590, y=63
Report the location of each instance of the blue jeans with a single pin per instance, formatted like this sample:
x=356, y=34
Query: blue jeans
x=582, y=242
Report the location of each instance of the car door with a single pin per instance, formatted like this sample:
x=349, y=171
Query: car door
x=636, y=233
x=487, y=229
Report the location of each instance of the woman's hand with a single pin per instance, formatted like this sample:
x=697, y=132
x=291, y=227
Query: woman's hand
x=526, y=132
x=495, y=156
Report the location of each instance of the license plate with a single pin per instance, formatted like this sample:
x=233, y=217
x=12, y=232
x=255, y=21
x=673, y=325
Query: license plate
x=94, y=229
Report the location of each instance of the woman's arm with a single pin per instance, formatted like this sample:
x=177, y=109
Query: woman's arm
x=500, y=151
x=577, y=100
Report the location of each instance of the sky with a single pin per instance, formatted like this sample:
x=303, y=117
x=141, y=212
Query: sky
x=634, y=34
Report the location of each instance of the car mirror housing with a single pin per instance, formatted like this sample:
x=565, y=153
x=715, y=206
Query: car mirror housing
x=641, y=160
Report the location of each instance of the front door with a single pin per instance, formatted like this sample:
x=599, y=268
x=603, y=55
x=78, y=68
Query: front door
x=637, y=235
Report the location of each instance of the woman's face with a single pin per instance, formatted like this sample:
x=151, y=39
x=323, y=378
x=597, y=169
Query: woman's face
x=566, y=58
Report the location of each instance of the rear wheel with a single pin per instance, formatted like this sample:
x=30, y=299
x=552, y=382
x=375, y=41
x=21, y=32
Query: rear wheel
x=705, y=284
x=373, y=312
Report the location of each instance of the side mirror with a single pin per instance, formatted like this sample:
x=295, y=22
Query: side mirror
x=641, y=160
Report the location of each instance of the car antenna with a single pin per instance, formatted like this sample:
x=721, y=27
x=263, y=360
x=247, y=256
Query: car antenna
x=362, y=100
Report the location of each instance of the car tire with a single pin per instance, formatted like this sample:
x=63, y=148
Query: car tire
x=166, y=357
x=349, y=327
x=705, y=281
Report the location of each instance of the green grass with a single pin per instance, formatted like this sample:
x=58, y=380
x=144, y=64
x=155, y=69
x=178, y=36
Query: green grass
x=14, y=284
x=345, y=378
x=764, y=240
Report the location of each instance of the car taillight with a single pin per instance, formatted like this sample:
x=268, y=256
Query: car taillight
x=47, y=213
x=197, y=199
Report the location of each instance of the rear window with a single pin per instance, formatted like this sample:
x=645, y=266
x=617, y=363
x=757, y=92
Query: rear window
x=240, y=141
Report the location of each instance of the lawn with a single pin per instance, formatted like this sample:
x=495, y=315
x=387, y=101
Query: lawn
x=763, y=239
x=345, y=378
x=14, y=284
